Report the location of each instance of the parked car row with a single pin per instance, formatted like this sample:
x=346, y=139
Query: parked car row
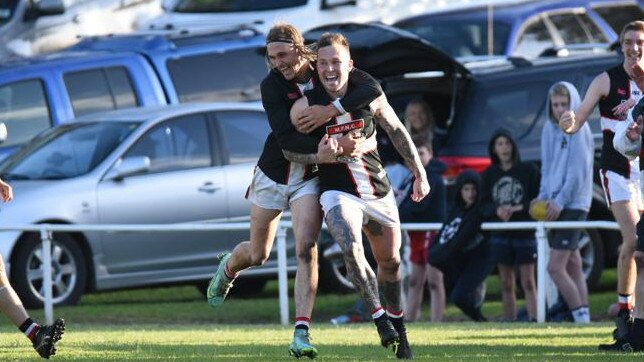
x=119, y=167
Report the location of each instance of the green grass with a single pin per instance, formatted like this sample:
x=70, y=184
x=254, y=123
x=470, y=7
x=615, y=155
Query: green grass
x=176, y=324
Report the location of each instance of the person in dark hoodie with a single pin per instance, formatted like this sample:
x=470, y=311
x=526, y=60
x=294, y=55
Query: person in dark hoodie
x=509, y=186
x=430, y=209
x=460, y=251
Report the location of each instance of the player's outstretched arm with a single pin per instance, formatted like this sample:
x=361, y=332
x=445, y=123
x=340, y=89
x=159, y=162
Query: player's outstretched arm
x=388, y=120
x=571, y=121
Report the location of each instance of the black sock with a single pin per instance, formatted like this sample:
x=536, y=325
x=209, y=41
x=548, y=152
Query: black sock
x=302, y=326
x=398, y=323
x=381, y=319
x=29, y=328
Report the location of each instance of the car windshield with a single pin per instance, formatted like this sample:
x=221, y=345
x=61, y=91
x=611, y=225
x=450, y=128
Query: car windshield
x=231, y=6
x=7, y=8
x=459, y=36
x=67, y=151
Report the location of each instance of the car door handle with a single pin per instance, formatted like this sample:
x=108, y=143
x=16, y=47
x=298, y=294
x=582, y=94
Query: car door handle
x=209, y=187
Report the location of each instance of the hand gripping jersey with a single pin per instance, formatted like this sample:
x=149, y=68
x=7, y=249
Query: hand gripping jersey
x=364, y=178
x=621, y=89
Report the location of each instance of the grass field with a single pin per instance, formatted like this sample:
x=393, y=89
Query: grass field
x=176, y=324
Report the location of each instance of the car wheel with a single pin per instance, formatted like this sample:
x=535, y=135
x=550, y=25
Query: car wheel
x=333, y=272
x=68, y=271
x=591, y=249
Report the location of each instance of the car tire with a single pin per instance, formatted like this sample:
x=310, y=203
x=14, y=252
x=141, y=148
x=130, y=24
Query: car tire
x=591, y=248
x=69, y=271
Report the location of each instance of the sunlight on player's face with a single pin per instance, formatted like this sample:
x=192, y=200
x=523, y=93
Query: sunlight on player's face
x=632, y=46
x=285, y=59
x=334, y=64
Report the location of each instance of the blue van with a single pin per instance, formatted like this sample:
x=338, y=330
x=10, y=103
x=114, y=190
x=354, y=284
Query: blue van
x=112, y=72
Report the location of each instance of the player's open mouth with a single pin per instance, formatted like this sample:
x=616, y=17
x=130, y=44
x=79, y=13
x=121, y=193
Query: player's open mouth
x=331, y=78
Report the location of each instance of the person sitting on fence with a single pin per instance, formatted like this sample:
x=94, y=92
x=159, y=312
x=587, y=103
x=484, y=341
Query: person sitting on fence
x=566, y=188
x=508, y=187
x=460, y=251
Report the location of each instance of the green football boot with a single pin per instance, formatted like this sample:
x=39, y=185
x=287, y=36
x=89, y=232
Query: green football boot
x=301, y=345
x=220, y=284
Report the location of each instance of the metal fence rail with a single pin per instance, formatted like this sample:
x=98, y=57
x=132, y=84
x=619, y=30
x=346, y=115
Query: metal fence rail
x=540, y=228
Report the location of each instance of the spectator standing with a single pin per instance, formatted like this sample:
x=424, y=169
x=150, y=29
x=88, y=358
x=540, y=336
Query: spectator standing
x=509, y=186
x=566, y=187
x=430, y=209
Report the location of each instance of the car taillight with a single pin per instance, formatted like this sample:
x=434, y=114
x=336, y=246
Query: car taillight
x=457, y=164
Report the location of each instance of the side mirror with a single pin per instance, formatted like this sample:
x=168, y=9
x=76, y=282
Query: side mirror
x=43, y=8
x=3, y=132
x=129, y=166
x=330, y=4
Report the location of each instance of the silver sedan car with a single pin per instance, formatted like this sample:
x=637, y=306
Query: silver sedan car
x=185, y=163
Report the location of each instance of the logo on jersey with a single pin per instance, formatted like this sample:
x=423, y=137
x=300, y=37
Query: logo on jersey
x=621, y=91
x=344, y=128
x=507, y=191
x=293, y=95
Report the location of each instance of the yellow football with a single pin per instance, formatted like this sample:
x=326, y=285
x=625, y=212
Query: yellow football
x=538, y=210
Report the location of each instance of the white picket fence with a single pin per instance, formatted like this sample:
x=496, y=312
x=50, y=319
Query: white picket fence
x=540, y=228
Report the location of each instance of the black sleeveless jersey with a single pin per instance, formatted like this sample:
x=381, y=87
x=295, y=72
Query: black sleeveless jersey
x=365, y=178
x=278, y=96
x=621, y=89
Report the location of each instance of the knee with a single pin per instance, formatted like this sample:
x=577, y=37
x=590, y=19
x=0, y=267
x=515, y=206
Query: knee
x=507, y=285
x=528, y=285
x=435, y=285
x=555, y=269
x=390, y=265
x=307, y=252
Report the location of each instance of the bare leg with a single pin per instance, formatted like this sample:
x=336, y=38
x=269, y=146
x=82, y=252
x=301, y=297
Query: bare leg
x=417, y=280
x=10, y=304
x=506, y=274
x=307, y=220
x=526, y=273
x=263, y=226
x=558, y=269
x=626, y=215
x=344, y=224
x=639, y=286
x=436, y=292
x=385, y=245
x=576, y=274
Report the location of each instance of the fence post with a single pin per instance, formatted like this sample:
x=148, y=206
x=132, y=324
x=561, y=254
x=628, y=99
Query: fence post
x=45, y=237
x=542, y=239
x=282, y=274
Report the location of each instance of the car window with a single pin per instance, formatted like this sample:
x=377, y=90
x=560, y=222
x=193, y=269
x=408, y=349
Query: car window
x=101, y=89
x=24, y=110
x=459, y=37
x=594, y=32
x=243, y=133
x=514, y=108
x=225, y=6
x=70, y=151
x=231, y=76
x=619, y=15
x=534, y=39
x=577, y=28
x=177, y=144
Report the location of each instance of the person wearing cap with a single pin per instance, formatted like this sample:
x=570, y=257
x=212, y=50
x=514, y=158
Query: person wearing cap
x=279, y=184
x=566, y=188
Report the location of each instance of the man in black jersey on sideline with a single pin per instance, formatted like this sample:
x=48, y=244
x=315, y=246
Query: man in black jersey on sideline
x=278, y=184
x=356, y=195
x=616, y=92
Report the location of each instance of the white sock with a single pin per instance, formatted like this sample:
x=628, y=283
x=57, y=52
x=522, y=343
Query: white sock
x=581, y=315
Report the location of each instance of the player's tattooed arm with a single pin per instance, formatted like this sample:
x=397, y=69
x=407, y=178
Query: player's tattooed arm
x=388, y=120
x=364, y=278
